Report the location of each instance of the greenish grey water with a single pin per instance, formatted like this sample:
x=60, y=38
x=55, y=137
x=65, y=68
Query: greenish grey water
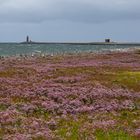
x=14, y=49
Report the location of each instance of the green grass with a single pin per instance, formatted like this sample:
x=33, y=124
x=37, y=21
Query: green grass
x=128, y=118
x=20, y=99
x=13, y=71
x=113, y=135
x=3, y=107
x=69, y=130
x=130, y=79
x=107, y=76
x=39, y=112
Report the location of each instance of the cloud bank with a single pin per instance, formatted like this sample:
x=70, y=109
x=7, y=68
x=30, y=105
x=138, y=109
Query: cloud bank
x=70, y=20
x=73, y=10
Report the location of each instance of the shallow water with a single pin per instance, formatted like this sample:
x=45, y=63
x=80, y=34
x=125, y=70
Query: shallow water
x=15, y=49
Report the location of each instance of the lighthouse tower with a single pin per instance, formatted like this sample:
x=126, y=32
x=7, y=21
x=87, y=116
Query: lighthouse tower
x=27, y=39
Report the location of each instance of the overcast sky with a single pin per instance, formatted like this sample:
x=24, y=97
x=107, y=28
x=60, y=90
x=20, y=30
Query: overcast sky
x=70, y=20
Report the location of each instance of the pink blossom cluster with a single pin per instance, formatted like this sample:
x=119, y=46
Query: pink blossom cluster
x=34, y=96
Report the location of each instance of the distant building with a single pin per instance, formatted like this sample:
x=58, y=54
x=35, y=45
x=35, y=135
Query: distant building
x=107, y=40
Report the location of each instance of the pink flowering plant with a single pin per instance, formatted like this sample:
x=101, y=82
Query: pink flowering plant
x=77, y=97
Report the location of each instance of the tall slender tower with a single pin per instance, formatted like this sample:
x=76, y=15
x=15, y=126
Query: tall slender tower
x=27, y=39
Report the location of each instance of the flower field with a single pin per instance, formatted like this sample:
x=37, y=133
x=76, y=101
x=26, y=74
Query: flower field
x=70, y=97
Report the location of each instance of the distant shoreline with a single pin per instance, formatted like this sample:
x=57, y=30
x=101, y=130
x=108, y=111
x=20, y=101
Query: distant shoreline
x=78, y=43
x=86, y=43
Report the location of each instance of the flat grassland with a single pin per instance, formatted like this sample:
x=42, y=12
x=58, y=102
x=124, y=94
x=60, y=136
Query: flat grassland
x=71, y=97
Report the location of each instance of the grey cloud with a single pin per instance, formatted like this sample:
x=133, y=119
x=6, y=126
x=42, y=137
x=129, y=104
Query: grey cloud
x=73, y=10
x=70, y=20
